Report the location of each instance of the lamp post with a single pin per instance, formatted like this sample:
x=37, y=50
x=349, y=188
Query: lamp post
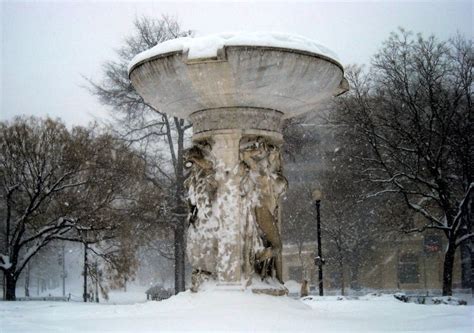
x=86, y=245
x=319, y=261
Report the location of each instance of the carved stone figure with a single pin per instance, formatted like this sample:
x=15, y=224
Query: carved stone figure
x=201, y=186
x=261, y=186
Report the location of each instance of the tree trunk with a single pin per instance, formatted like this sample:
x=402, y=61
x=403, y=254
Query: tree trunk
x=10, y=294
x=343, y=284
x=355, y=277
x=466, y=265
x=27, y=281
x=63, y=274
x=472, y=267
x=179, y=231
x=97, y=282
x=179, y=257
x=448, y=270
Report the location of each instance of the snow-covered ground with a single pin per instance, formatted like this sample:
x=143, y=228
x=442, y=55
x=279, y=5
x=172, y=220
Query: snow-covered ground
x=236, y=311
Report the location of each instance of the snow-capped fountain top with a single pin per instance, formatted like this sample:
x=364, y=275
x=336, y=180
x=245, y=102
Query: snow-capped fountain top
x=208, y=46
x=288, y=74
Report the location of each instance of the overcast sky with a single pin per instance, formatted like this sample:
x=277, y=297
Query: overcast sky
x=46, y=47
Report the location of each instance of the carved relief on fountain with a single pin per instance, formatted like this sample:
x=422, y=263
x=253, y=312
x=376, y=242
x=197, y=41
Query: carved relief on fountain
x=234, y=182
x=262, y=185
x=202, y=187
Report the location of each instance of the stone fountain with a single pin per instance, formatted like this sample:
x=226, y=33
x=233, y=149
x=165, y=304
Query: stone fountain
x=236, y=89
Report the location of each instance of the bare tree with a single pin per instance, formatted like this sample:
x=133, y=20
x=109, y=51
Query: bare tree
x=414, y=111
x=57, y=185
x=301, y=161
x=159, y=137
x=35, y=169
x=108, y=232
x=351, y=229
x=299, y=221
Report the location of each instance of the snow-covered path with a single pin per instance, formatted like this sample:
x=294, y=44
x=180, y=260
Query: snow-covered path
x=233, y=311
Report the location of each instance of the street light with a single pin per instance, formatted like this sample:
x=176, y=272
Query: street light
x=319, y=261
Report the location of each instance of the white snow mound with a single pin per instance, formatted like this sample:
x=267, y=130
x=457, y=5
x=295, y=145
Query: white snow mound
x=227, y=311
x=207, y=46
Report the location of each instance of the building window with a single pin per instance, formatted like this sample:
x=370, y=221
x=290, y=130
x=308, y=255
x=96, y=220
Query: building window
x=408, y=268
x=295, y=273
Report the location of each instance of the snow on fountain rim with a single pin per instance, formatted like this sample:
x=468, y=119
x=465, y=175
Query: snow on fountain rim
x=207, y=46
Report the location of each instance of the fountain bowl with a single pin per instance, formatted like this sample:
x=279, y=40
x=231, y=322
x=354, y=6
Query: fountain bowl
x=281, y=75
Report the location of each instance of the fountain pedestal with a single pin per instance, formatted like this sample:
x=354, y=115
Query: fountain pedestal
x=234, y=187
